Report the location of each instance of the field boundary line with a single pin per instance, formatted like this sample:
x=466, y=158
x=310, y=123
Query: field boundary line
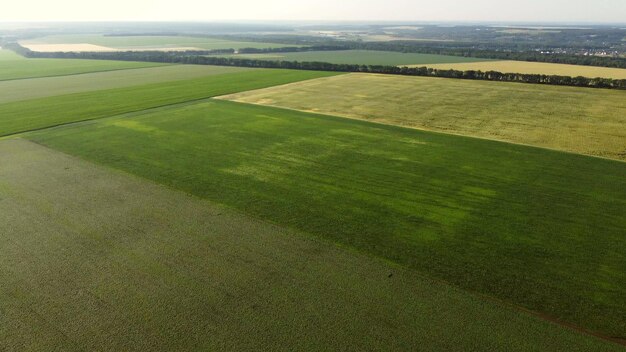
x=221, y=98
x=409, y=127
x=3, y=136
x=132, y=112
x=86, y=73
x=139, y=112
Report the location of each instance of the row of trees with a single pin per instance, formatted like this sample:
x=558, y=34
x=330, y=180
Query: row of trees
x=187, y=58
x=535, y=52
x=293, y=49
x=519, y=51
x=414, y=71
x=528, y=55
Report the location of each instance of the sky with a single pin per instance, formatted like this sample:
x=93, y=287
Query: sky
x=569, y=11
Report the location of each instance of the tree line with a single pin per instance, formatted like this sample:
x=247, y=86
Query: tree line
x=498, y=51
x=292, y=49
x=528, y=55
x=192, y=58
x=425, y=48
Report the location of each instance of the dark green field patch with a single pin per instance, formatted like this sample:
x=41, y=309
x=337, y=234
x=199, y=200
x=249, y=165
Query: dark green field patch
x=97, y=260
x=33, y=114
x=537, y=228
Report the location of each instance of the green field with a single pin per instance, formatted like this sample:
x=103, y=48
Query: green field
x=361, y=57
x=146, y=211
x=9, y=55
x=128, y=42
x=104, y=261
x=24, y=89
x=536, y=228
x=578, y=120
x=25, y=115
x=21, y=68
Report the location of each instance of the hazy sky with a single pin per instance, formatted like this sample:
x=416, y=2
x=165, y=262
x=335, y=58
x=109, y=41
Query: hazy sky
x=392, y=10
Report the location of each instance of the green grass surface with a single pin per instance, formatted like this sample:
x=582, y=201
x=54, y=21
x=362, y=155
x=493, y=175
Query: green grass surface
x=10, y=55
x=31, y=68
x=126, y=42
x=578, y=120
x=24, y=89
x=541, y=229
x=362, y=57
x=97, y=260
x=32, y=114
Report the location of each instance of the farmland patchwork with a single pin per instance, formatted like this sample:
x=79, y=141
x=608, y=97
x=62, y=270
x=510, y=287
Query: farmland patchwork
x=148, y=206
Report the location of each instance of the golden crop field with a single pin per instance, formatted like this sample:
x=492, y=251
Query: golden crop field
x=536, y=68
x=579, y=120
